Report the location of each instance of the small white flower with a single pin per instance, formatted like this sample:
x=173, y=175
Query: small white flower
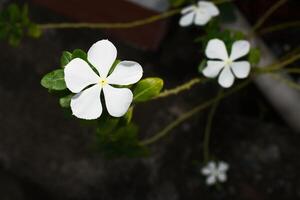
x=227, y=65
x=198, y=14
x=82, y=80
x=215, y=173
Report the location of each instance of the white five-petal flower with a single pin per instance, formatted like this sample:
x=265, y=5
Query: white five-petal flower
x=198, y=14
x=81, y=79
x=215, y=172
x=227, y=65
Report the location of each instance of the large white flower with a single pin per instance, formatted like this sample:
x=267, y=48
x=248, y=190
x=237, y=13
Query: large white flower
x=215, y=172
x=198, y=14
x=88, y=85
x=227, y=65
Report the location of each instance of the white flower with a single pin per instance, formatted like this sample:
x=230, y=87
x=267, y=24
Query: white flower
x=227, y=65
x=199, y=14
x=88, y=85
x=215, y=173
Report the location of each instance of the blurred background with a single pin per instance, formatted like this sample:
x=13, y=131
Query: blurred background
x=47, y=155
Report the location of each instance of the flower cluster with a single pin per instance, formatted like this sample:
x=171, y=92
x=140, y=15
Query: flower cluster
x=98, y=71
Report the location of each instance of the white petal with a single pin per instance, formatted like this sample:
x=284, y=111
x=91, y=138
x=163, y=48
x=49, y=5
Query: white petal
x=213, y=68
x=211, y=9
x=216, y=49
x=241, y=69
x=211, y=180
x=102, y=55
x=212, y=166
x=79, y=75
x=206, y=171
x=187, y=19
x=222, y=177
x=188, y=9
x=239, y=49
x=223, y=167
x=87, y=104
x=226, y=78
x=117, y=100
x=126, y=73
x=202, y=17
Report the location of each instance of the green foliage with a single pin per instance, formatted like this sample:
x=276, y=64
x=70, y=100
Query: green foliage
x=107, y=124
x=147, y=89
x=65, y=101
x=54, y=80
x=128, y=116
x=213, y=31
x=116, y=137
x=78, y=53
x=116, y=140
x=34, y=31
x=254, y=56
x=15, y=23
x=65, y=58
x=202, y=65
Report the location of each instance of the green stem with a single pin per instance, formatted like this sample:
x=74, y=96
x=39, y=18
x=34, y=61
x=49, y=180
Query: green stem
x=279, y=27
x=180, y=88
x=293, y=70
x=190, y=113
x=269, y=12
x=288, y=82
x=122, y=25
x=110, y=25
x=280, y=65
x=208, y=127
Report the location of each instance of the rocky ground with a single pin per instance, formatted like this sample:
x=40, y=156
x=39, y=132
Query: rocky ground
x=45, y=154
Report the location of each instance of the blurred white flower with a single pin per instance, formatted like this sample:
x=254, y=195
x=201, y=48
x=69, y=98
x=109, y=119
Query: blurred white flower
x=87, y=84
x=198, y=14
x=227, y=65
x=215, y=172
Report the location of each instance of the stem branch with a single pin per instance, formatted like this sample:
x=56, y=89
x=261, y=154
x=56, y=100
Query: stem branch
x=190, y=113
x=208, y=128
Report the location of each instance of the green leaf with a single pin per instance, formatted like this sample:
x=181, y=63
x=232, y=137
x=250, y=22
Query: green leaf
x=65, y=58
x=238, y=35
x=121, y=142
x=128, y=116
x=147, y=89
x=78, y=53
x=254, y=56
x=14, y=22
x=202, y=66
x=107, y=124
x=14, y=40
x=14, y=13
x=54, y=80
x=34, y=30
x=65, y=101
x=25, y=15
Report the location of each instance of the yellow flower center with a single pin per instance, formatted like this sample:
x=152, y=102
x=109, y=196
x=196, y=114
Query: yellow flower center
x=228, y=62
x=103, y=81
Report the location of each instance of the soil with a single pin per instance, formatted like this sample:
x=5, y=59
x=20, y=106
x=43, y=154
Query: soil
x=45, y=154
